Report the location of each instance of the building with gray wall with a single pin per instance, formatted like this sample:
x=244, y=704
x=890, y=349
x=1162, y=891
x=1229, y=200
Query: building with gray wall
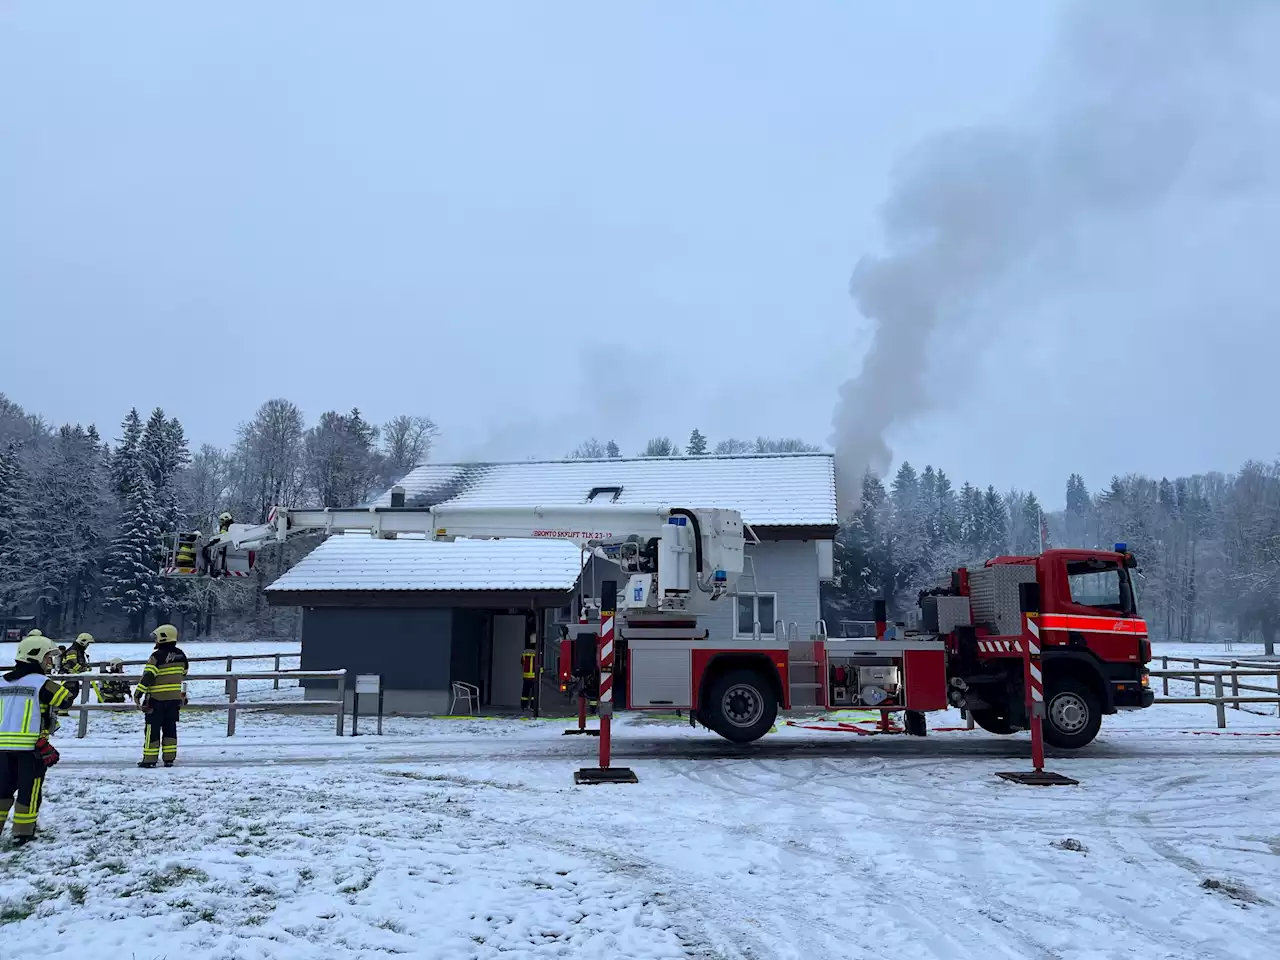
x=425, y=614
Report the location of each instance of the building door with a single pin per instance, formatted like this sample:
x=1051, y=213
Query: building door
x=508, y=644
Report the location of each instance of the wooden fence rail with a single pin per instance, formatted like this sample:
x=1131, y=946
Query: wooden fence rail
x=1217, y=678
x=233, y=705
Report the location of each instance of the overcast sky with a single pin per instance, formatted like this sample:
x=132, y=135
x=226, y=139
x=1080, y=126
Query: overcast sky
x=541, y=222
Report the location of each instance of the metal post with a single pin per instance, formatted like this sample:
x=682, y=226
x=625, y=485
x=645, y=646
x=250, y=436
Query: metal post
x=232, y=694
x=355, y=709
x=380, y=689
x=1035, y=690
x=1235, y=683
x=230, y=669
x=1164, y=667
x=82, y=728
x=275, y=684
x=582, y=709
x=342, y=700
x=604, y=647
x=1278, y=692
x=1195, y=665
x=606, y=680
x=1221, y=707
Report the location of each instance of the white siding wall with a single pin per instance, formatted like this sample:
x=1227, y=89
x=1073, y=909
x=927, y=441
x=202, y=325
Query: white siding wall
x=788, y=568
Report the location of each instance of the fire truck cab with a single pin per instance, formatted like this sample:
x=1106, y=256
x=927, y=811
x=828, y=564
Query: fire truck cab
x=1094, y=643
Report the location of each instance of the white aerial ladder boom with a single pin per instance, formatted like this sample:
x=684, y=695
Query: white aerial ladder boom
x=669, y=552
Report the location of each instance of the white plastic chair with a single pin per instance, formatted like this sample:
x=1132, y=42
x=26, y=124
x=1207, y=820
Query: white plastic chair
x=469, y=694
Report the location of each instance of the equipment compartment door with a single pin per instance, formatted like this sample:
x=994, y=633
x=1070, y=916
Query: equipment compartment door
x=660, y=678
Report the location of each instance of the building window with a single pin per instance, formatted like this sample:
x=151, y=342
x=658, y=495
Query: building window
x=757, y=608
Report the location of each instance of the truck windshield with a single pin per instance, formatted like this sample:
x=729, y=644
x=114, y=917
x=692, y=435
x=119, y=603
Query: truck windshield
x=1101, y=583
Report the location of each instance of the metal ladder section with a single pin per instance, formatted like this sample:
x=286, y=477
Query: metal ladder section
x=805, y=667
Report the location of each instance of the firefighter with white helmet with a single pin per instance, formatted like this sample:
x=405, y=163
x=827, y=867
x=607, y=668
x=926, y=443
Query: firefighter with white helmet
x=161, y=697
x=224, y=522
x=28, y=702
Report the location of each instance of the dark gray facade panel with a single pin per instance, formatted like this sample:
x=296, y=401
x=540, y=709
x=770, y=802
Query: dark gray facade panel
x=410, y=647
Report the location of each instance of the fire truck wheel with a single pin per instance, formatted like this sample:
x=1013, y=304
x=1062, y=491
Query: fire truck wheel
x=1073, y=713
x=741, y=706
x=992, y=721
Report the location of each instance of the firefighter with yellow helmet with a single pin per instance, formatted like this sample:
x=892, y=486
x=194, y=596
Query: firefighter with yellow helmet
x=28, y=703
x=76, y=660
x=161, y=698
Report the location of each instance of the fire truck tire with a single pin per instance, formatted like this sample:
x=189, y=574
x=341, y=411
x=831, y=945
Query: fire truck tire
x=992, y=721
x=1073, y=713
x=741, y=705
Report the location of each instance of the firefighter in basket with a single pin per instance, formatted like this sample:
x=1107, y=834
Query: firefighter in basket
x=187, y=551
x=224, y=523
x=28, y=705
x=161, y=697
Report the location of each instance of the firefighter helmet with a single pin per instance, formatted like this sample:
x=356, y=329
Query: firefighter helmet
x=36, y=649
x=84, y=639
x=34, y=633
x=115, y=662
x=224, y=517
x=165, y=633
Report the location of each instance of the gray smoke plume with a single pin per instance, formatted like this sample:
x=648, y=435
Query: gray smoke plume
x=1139, y=99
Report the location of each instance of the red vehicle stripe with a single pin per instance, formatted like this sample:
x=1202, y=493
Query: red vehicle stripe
x=1087, y=624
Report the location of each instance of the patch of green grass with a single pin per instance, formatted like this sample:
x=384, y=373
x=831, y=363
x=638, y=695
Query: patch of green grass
x=306, y=874
x=261, y=890
x=77, y=892
x=258, y=830
x=14, y=912
x=390, y=925
x=182, y=904
x=207, y=915
x=177, y=874
x=116, y=867
x=254, y=920
x=356, y=885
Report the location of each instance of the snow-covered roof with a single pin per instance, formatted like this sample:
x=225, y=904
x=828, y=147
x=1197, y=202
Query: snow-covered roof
x=768, y=489
x=361, y=562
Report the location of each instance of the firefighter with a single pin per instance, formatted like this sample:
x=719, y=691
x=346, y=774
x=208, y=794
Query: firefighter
x=28, y=702
x=224, y=523
x=184, y=558
x=112, y=691
x=161, y=698
x=75, y=659
x=527, y=661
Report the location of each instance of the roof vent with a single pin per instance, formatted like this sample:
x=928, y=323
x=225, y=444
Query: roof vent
x=596, y=491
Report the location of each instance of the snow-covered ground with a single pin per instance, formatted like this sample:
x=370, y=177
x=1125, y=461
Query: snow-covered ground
x=467, y=839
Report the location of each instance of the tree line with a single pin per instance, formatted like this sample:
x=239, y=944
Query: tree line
x=84, y=522
x=1208, y=545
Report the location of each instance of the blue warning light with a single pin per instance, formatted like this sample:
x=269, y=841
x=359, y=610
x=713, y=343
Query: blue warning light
x=1121, y=547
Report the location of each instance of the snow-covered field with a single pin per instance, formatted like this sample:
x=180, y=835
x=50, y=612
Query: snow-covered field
x=467, y=839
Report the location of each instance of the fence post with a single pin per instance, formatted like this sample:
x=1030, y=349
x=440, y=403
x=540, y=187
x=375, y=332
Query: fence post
x=1278, y=692
x=233, y=691
x=342, y=700
x=82, y=729
x=1195, y=665
x=1164, y=666
x=1235, y=683
x=1221, y=707
x=275, y=684
x=230, y=669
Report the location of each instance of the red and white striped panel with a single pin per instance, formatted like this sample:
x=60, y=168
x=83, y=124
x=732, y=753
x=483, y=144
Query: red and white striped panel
x=606, y=659
x=999, y=646
x=1082, y=623
x=1033, y=649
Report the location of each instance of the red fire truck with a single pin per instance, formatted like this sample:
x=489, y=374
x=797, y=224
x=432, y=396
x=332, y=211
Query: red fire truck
x=964, y=650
